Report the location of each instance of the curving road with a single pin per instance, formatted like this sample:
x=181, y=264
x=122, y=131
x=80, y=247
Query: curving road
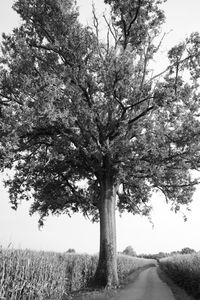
x=147, y=286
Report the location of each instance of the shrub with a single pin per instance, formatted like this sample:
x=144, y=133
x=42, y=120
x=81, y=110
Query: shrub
x=184, y=270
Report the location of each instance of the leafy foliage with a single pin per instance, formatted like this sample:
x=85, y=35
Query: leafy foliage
x=75, y=109
x=187, y=250
x=184, y=271
x=129, y=251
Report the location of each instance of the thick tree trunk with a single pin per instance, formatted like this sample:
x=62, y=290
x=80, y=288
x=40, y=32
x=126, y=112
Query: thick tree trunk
x=106, y=274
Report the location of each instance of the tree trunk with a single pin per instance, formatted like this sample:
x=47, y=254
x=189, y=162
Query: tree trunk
x=106, y=273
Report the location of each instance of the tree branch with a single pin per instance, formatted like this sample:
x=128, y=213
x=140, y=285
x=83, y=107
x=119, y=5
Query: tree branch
x=139, y=102
x=134, y=18
x=128, y=29
x=141, y=115
x=110, y=29
x=47, y=35
x=96, y=26
x=55, y=50
x=173, y=65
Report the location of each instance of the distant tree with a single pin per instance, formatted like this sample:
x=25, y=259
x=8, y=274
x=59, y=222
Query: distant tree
x=70, y=250
x=129, y=251
x=187, y=250
x=174, y=253
x=76, y=107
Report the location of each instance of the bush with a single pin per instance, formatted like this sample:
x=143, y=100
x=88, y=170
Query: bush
x=184, y=270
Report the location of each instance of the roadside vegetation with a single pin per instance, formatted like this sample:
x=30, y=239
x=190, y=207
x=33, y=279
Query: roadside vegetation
x=184, y=270
x=26, y=274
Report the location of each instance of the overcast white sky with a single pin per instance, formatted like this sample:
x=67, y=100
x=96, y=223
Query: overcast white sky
x=169, y=233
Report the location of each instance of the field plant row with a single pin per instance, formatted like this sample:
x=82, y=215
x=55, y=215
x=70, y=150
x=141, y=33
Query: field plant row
x=27, y=275
x=184, y=270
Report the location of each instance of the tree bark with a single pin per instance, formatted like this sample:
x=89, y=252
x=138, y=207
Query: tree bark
x=106, y=273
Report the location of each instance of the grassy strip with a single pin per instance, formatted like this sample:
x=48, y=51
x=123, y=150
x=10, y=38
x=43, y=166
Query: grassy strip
x=184, y=270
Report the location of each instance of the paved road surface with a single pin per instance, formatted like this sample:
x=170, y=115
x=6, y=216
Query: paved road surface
x=148, y=286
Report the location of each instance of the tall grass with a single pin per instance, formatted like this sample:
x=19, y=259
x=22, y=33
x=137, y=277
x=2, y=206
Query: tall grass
x=184, y=270
x=27, y=275
x=127, y=264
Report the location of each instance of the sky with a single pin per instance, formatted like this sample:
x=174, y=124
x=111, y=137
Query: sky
x=169, y=232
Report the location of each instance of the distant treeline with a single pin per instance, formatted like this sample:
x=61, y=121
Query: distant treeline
x=160, y=255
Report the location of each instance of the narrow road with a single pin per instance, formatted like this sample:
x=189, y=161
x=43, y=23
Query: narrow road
x=148, y=286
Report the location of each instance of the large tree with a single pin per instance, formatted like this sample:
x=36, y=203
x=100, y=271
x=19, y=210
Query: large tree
x=86, y=125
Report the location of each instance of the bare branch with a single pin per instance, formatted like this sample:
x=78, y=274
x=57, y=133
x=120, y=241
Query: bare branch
x=110, y=29
x=161, y=40
x=173, y=65
x=96, y=26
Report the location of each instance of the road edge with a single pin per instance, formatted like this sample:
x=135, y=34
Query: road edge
x=110, y=294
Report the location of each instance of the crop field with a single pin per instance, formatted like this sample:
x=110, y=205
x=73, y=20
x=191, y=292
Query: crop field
x=27, y=275
x=184, y=270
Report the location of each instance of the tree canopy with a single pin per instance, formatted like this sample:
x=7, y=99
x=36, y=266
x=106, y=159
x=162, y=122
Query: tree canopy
x=81, y=114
